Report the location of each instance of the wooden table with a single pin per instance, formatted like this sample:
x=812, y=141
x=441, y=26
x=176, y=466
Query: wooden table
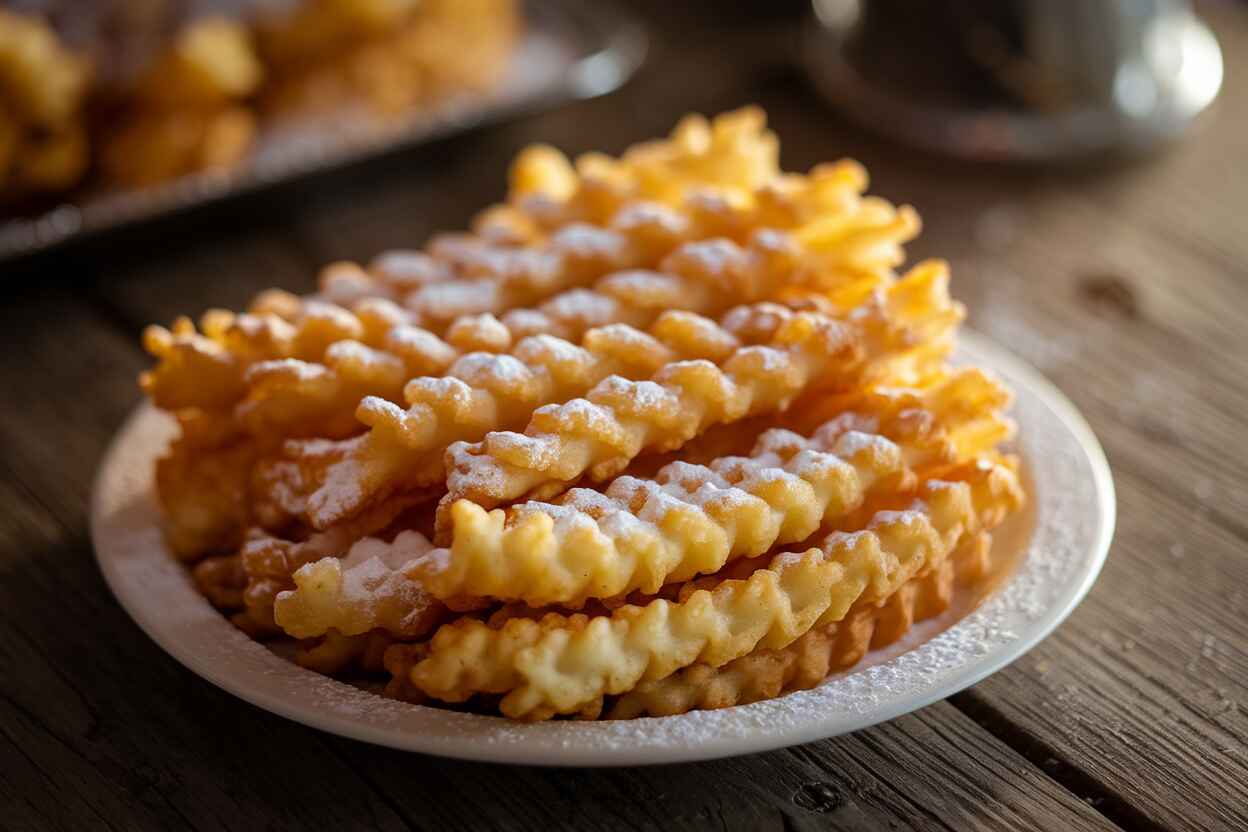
x=1127, y=286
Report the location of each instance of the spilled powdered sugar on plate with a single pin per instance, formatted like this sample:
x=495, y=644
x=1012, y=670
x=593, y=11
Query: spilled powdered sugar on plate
x=1058, y=550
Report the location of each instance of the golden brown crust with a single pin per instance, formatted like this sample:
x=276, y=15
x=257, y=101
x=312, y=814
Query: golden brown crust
x=318, y=434
x=765, y=674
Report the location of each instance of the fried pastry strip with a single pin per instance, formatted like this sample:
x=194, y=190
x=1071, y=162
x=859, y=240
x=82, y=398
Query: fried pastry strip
x=481, y=393
x=910, y=324
x=709, y=275
x=363, y=591
x=269, y=562
x=205, y=368
x=734, y=156
x=560, y=664
x=638, y=535
x=497, y=278
x=599, y=434
x=202, y=484
x=956, y=413
x=768, y=673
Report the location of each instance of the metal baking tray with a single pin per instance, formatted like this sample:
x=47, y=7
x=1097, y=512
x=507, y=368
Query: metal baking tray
x=567, y=52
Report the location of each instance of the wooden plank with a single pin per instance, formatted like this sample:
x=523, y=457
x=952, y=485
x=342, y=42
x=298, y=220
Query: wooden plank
x=207, y=270
x=1142, y=689
x=98, y=727
x=930, y=770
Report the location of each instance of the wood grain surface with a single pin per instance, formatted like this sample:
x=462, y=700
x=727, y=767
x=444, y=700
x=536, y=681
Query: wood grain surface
x=1127, y=285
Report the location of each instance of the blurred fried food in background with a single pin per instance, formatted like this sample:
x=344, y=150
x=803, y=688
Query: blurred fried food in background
x=188, y=110
x=386, y=55
x=199, y=99
x=43, y=86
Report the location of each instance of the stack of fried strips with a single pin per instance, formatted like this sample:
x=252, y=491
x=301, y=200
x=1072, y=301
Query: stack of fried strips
x=666, y=431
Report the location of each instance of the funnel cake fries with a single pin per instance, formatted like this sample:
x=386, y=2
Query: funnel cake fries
x=666, y=431
x=706, y=215
x=618, y=419
x=482, y=392
x=598, y=545
x=690, y=519
x=395, y=454
x=639, y=534
x=561, y=664
x=642, y=535
x=649, y=201
x=766, y=674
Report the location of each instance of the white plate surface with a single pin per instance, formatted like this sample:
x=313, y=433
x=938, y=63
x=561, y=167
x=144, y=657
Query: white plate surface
x=1057, y=559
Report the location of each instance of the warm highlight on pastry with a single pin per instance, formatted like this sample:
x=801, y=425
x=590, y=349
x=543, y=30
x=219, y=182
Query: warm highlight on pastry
x=482, y=392
x=765, y=674
x=619, y=419
x=561, y=664
x=638, y=534
x=662, y=432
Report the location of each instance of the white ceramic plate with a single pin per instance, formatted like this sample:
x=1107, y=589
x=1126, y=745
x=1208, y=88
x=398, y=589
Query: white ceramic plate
x=1054, y=556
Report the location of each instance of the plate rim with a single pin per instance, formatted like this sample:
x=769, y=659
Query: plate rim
x=562, y=752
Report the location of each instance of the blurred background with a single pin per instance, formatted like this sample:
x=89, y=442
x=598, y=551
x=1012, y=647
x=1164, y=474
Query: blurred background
x=126, y=110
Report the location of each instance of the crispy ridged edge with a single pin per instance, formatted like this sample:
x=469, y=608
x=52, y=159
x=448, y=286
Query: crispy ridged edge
x=560, y=227
x=482, y=392
x=618, y=419
x=559, y=664
x=641, y=534
x=768, y=673
x=403, y=446
x=359, y=592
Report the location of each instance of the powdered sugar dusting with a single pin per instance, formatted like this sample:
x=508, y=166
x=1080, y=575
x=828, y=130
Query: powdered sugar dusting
x=715, y=258
x=546, y=349
x=334, y=315
x=415, y=340
x=625, y=335
x=454, y=298
x=480, y=368
x=581, y=305
x=357, y=356
x=1073, y=506
x=406, y=547
x=526, y=320
x=587, y=241
x=644, y=214
x=341, y=489
x=288, y=367
x=409, y=269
